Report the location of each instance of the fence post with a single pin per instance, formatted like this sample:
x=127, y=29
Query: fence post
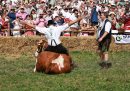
x=8, y=30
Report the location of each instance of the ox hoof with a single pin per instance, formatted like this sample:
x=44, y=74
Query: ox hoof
x=34, y=70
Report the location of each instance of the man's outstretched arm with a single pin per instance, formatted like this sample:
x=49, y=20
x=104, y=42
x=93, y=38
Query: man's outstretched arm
x=31, y=25
x=65, y=26
x=72, y=22
x=39, y=29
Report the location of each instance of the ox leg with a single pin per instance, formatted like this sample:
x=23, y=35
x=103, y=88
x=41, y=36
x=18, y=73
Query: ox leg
x=35, y=66
x=38, y=67
x=36, y=54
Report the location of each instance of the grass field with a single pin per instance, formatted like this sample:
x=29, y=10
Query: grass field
x=16, y=74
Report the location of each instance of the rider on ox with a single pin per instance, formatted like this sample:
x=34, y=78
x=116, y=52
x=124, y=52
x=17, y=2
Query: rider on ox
x=52, y=33
x=55, y=58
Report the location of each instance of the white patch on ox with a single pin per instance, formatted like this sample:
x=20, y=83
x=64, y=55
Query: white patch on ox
x=59, y=61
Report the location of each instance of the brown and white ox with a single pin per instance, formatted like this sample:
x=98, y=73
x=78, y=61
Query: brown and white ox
x=51, y=62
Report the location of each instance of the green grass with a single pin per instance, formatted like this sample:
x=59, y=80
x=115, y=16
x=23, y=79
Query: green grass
x=16, y=74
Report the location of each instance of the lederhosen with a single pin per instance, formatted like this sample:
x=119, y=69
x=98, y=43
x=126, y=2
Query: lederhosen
x=57, y=49
x=105, y=43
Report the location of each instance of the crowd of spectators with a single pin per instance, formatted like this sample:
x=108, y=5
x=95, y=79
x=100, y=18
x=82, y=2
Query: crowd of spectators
x=39, y=12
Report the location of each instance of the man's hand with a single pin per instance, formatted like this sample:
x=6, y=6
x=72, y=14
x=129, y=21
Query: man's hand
x=103, y=36
x=100, y=39
x=75, y=21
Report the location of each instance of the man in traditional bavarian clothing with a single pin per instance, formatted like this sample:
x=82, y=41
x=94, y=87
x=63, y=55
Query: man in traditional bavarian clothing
x=104, y=39
x=52, y=33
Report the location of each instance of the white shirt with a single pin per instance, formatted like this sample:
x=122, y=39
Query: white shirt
x=107, y=27
x=53, y=32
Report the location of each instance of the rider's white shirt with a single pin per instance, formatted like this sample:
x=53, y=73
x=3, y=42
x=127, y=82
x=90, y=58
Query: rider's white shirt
x=53, y=32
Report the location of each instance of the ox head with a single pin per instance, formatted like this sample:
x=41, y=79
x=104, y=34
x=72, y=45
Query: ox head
x=41, y=45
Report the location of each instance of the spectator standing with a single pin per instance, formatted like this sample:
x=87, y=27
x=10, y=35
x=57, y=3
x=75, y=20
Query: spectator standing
x=94, y=16
x=12, y=17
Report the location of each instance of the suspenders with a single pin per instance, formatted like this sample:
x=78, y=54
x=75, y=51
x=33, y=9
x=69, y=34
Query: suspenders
x=53, y=40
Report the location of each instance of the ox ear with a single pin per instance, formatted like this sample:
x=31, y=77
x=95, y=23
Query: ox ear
x=44, y=41
x=41, y=40
x=36, y=42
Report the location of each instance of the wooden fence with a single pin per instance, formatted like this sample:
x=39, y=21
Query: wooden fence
x=7, y=32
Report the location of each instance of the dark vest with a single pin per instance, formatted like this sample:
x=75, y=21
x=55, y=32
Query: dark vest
x=103, y=31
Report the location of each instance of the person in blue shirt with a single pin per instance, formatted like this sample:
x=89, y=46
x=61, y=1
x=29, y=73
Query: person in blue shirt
x=12, y=17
